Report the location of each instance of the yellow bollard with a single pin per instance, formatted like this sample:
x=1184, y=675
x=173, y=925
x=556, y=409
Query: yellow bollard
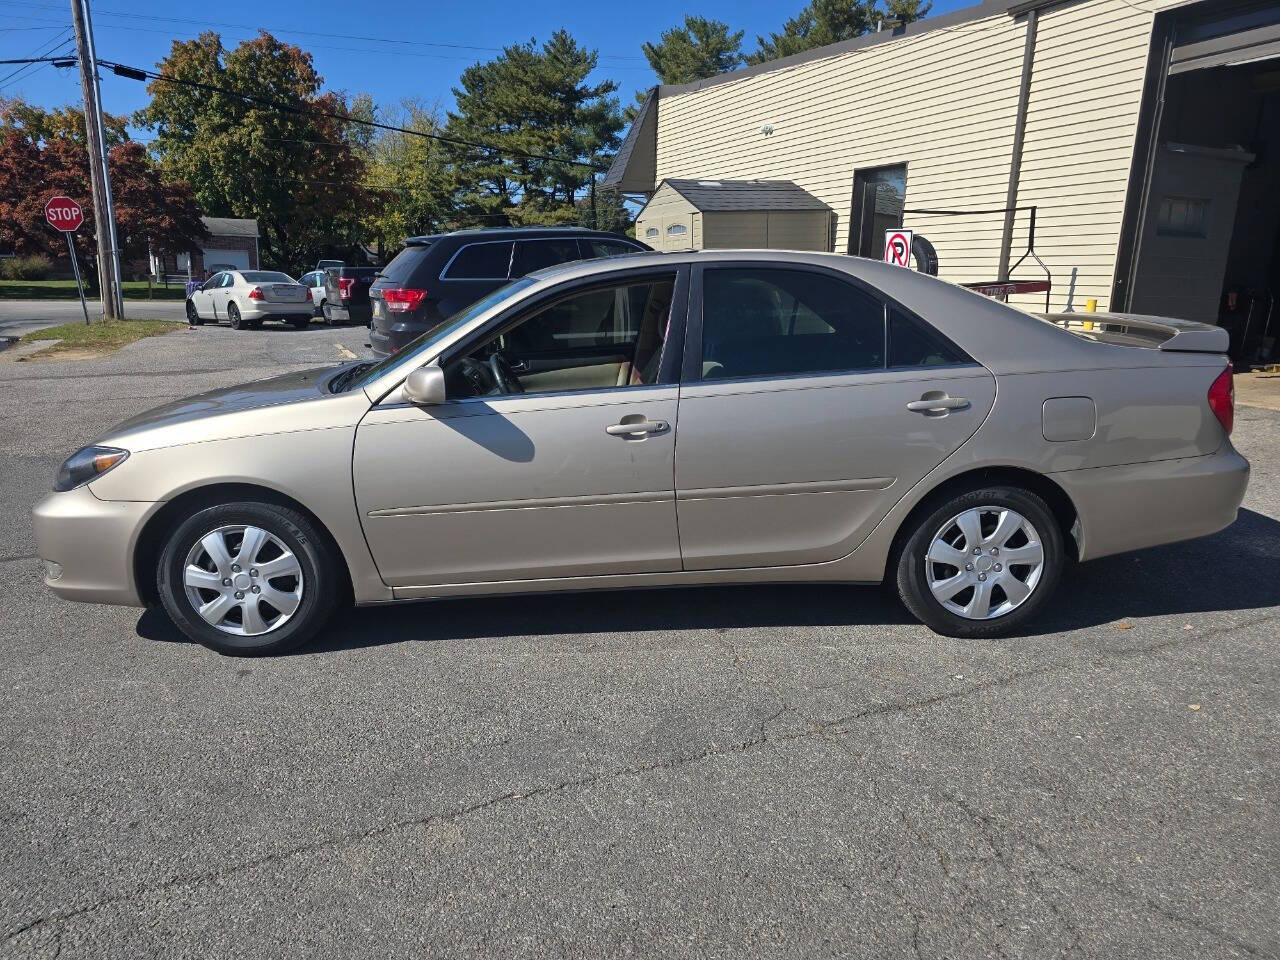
x=1090, y=306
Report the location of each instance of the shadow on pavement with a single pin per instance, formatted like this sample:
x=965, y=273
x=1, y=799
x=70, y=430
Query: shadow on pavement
x=1237, y=569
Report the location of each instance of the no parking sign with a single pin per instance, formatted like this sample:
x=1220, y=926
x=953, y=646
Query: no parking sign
x=897, y=247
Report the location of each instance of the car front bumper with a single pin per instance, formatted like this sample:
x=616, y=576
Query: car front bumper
x=1146, y=504
x=86, y=545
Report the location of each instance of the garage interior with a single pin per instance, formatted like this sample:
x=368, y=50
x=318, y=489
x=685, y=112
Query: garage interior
x=1208, y=247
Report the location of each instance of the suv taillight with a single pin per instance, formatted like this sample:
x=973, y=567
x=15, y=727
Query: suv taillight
x=256, y=294
x=1222, y=398
x=344, y=286
x=402, y=299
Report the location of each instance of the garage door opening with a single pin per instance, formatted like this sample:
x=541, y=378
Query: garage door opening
x=1209, y=247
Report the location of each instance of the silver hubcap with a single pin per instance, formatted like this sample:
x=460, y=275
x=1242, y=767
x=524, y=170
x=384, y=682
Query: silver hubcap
x=984, y=563
x=243, y=580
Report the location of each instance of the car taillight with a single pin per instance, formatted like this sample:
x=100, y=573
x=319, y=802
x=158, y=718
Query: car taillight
x=1222, y=398
x=344, y=286
x=256, y=294
x=402, y=299
x=309, y=296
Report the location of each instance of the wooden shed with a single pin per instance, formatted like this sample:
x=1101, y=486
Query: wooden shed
x=720, y=214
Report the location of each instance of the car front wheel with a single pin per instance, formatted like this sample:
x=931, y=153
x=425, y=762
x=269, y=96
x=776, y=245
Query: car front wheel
x=248, y=579
x=981, y=563
x=193, y=315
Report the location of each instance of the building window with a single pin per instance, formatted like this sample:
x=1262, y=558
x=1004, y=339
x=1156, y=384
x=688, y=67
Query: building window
x=1183, y=217
x=651, y=233
x=879, y=194
x=676, y=229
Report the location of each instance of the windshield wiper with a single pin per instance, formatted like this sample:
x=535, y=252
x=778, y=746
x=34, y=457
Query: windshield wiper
x=339, y=383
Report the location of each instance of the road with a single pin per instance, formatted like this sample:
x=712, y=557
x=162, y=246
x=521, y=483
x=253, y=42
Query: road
x=22, y=316
x=787, y=771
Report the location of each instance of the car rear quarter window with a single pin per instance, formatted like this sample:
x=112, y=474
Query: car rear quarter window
x=777, y=322
x=401, y=271
x=914, y=344
x=533, y=255
x=607, y=248
x=480, y=261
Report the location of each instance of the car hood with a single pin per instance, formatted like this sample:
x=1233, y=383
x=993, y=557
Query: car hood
x=292, y=401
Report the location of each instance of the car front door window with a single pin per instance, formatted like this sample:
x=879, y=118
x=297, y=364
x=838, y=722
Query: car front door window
x=605, y=337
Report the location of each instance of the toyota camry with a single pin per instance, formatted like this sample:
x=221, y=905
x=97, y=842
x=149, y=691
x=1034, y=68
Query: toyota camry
x=666, y=419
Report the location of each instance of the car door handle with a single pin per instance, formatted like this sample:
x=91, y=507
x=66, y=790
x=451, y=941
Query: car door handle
x=625, y=429
x=932, y=404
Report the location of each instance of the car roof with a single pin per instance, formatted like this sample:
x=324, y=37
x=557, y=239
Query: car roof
x=520, y=233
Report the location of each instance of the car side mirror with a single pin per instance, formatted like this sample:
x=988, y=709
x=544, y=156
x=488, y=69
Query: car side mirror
x=425, y=386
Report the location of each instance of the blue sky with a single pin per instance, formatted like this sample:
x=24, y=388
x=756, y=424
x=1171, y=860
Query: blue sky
x=138, y=32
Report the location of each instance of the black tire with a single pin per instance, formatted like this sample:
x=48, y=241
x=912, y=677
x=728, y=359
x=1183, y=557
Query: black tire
x=925, y=255
x=234, y=318
x=321, y=587
x=193, y=315
x=320, y=312
x=910, y=571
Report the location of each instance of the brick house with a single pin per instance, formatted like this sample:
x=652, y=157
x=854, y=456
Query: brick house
x=232, y=243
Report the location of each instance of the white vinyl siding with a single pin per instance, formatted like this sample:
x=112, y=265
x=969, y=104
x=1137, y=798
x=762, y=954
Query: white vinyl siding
x=667, y=208
x=944, y=103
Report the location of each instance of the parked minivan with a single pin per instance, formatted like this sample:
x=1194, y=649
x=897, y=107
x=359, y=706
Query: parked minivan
x=434, y=277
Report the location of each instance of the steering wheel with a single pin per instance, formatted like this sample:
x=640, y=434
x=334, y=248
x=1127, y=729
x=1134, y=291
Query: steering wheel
x=503, y=375
x=478, y=376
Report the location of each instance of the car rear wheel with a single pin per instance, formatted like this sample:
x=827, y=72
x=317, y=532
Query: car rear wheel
x=233, y=316
x=982, y=563
x=193, y=315
x=247, y=579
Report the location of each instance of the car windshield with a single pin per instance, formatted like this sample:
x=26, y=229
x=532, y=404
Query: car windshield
x=266, y=276
x=423, y=344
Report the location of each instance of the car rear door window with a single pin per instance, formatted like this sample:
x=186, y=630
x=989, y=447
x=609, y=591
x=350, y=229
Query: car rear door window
x=480, y=261
x=913, y=344
x=534, y=255
x=777, y=322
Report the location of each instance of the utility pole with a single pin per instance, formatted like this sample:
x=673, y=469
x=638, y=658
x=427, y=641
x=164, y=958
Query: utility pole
x=103, y=212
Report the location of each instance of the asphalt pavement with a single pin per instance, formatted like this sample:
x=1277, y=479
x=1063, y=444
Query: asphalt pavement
x=764, y=771
x=23, y=316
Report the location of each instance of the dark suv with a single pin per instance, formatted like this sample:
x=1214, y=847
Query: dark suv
x=346, y=294
x=433, y=278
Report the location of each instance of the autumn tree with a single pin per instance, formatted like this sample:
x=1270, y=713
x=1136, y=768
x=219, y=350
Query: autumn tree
x=254, y=133
x=822, y=22
x=41, y=155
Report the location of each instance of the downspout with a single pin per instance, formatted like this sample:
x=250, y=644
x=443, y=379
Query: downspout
x=1019, y=135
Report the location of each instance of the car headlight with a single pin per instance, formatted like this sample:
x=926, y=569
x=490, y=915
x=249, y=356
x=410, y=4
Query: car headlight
x=84, y=465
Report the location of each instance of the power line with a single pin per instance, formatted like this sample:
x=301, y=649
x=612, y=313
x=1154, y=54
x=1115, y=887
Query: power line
x=195, y=21
x=136, y=73
x=38, y=56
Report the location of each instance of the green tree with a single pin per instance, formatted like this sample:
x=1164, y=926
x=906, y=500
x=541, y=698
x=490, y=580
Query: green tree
x=548, y=127
x=408, y=182
x=699, y=49
x=822, y=22
x=299, y=173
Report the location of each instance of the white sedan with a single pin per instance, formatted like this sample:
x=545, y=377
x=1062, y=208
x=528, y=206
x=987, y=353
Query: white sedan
x=245, y=298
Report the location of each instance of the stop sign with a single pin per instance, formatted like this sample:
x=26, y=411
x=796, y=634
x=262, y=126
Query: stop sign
x=63, y=214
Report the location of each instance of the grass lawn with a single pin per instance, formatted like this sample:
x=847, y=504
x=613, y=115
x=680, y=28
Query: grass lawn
x=66, y=290
x=98, y=338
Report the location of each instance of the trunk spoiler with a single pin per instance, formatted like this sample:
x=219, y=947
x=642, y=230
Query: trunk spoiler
x=1133, y=330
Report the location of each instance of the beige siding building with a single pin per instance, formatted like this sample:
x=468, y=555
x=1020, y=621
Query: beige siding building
x=1053, y=105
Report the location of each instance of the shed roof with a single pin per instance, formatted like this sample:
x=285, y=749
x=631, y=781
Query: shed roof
x=711, y=195
x=230, y=226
